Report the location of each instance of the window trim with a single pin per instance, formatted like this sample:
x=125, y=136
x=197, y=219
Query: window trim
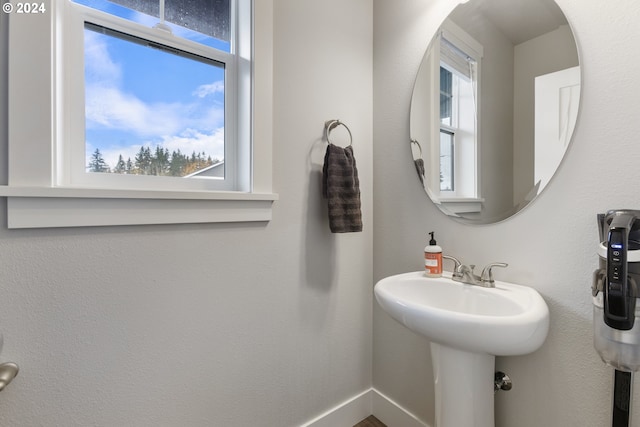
x=457, y=37
x=38, y=207
x=34, y=195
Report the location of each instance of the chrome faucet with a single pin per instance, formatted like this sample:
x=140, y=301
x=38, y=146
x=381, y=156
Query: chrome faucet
x=465, y=274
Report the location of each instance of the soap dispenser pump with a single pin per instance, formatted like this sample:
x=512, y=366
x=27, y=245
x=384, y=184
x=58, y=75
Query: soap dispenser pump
x=433, y=258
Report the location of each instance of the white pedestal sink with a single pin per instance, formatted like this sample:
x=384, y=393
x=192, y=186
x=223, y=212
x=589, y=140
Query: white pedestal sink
x=468, y=326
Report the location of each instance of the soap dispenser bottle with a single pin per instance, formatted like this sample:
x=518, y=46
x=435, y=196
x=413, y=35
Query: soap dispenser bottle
x=433, y=258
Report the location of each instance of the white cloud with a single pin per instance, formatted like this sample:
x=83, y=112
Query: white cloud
x=209, y=89
x=193, y=140
x=109, y=107
x=99, y=67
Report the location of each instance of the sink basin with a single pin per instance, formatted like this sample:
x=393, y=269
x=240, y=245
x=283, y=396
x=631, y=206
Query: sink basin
x=467, y=326
x=504, y=321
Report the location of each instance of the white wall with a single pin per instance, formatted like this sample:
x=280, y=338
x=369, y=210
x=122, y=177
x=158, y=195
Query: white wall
x=209, y=325
x=557, y=51
x=549, y=246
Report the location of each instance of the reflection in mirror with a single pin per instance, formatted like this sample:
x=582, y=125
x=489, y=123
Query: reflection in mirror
x=494, y=106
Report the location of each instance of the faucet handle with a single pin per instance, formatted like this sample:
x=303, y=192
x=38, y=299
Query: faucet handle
x=456, y=263
x=487, y=274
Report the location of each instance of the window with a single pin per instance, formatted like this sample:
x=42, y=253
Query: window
x=159, y=99
x=174, y=101
x=459, y=70
x=139, y=101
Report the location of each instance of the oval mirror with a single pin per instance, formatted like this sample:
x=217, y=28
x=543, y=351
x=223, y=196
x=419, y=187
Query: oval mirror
x=494, y=106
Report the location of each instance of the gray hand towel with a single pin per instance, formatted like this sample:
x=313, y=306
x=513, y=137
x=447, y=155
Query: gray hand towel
x=341, y=187
x=420, y=169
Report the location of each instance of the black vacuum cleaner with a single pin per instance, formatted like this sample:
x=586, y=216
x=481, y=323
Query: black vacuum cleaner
x=615, y=316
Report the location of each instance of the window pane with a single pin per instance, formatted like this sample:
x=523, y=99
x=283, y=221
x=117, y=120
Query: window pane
x=446, y=161
x=151, y=110
x=210, y=17
x=446, y=97
x=203, y=21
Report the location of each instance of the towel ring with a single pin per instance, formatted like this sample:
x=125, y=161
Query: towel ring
x=330, y=125
x=415, y=141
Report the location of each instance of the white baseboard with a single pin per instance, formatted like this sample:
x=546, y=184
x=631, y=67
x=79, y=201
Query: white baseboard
x=392, y=414
x=359, y=407
x=346, y=414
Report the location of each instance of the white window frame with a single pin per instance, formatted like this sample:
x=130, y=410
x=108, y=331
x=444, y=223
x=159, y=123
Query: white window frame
x=466, y=196
x=41, y=192
x=72, y=171
x=465, y=145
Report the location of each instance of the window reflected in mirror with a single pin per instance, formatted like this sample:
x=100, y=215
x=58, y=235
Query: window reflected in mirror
x=457, y=62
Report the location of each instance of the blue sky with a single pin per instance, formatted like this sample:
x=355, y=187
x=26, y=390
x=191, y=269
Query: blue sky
x=139, y=96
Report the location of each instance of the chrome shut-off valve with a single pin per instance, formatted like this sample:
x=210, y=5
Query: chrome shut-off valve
x=501, y=381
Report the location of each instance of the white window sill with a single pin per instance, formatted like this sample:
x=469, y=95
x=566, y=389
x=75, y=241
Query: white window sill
x=44, y=207
x=460, y=205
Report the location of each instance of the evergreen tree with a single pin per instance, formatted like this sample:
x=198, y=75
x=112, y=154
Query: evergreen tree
x=162, y=163
x=143, y=161
x=178, y=163
x=120, y=166
x=97, y=162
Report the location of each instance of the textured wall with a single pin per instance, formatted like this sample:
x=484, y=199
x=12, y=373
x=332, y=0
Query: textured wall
x=209, y=325
x=549, y=246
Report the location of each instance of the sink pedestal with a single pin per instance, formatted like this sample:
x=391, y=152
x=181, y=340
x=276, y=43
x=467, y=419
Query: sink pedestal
x=463, y=387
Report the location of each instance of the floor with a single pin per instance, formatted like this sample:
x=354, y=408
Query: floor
x=370, y=421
